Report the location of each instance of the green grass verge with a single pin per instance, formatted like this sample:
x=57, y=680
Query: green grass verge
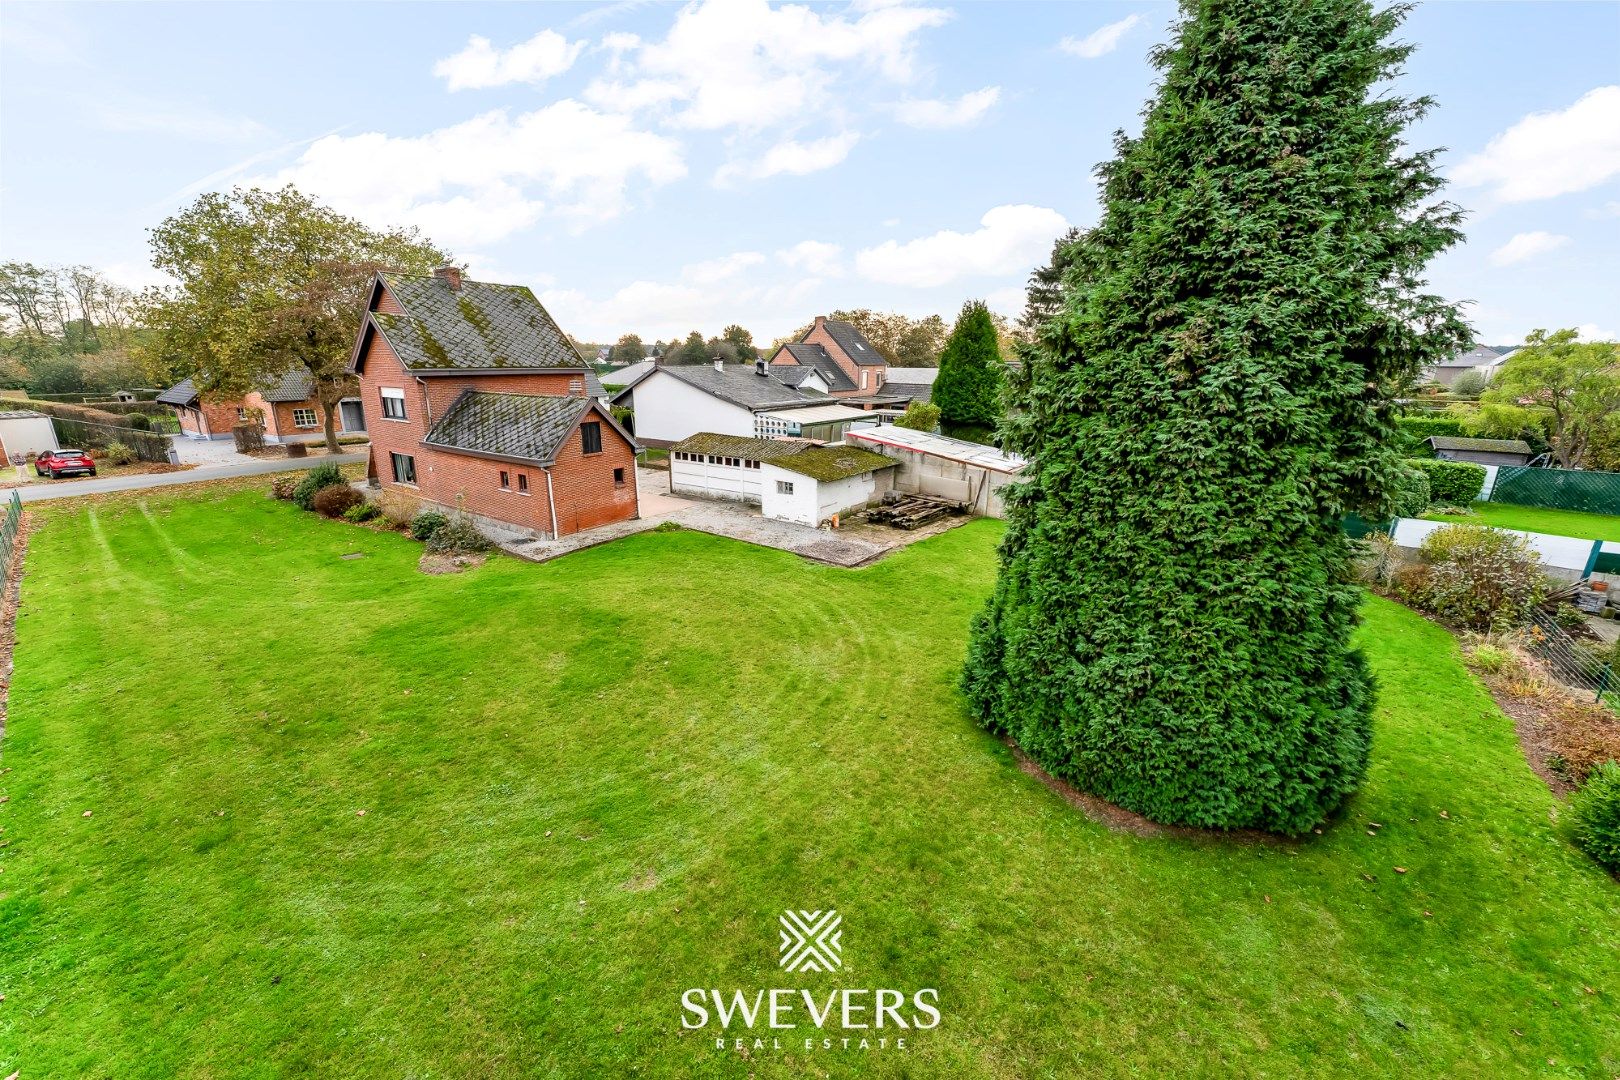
x=1539, y=519
x=594, y=783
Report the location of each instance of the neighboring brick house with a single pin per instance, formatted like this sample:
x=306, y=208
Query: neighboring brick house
x=480, y=403
x=287, y=407
x=849, y=362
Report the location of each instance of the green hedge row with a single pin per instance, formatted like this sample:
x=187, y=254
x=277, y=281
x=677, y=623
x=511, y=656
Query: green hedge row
x=1451, y=483
x=1424, y=427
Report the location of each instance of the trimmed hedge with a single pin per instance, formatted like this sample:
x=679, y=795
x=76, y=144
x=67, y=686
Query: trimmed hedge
x=1424, y=427
x=1451, y=483
x=1410, y=495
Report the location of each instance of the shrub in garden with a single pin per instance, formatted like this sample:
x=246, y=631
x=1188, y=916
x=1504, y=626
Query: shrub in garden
x=321, y=476
x=282, y=487
x=1595, y=809
x=1475, y=577
x=1409, y=495
x=425, y=524
x=399, y=508
x=1187, y=430
x=458, y=536
x=336, y=500
x=920, y=416
x=116, y=454
x=1455, y=483
x=138, y=421
x=362, y=512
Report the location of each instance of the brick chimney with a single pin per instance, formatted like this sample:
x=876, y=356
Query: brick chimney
x=450, y=275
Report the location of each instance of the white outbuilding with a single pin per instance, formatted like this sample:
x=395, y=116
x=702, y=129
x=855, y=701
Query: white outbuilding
x=968, y=473
x=24, y=433
x=789, y=479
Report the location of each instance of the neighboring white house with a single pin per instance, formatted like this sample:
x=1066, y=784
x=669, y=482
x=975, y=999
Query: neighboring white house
x=964, y=472
x=790, y=480
x=673, y=403
x=24, y=432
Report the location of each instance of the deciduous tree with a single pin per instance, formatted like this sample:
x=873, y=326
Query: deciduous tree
x=1171, y=625
x=268, y=280
x=1575, y=386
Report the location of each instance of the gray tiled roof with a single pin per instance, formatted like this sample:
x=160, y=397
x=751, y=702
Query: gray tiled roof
x=528, y=427
x=478, y=327
x=1495, y=446
x=183, y=392
x=793, y=374
x=296, y=384
x=738, y=384
x=910, y=391
x=854, y=344
x=1473, y=358
x=815, y=356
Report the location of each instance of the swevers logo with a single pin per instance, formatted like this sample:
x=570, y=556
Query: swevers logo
x=811, y=941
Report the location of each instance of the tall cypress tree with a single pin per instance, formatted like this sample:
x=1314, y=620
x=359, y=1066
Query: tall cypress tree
x=968, y=387
x=1171, y=624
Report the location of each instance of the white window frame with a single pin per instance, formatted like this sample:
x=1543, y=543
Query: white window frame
x=393, y=393
x=784, y=487
x=394, y=458
x=314, y=420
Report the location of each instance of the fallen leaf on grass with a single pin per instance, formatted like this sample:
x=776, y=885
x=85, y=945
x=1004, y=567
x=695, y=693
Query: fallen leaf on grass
x=359, y=813
x=87, y=813
x=1400, y=869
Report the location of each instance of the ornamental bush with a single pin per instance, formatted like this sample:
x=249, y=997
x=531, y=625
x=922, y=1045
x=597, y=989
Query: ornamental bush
x=1451, y=483
x=967, y=389
x=427, y=523
x=1171, y=623
x=1595, y=809
x=336, y=500
x=458, y=536
x=321, y=476
x=1474, y=576
x=116, y=454
x=282, y=487
x=920, y=416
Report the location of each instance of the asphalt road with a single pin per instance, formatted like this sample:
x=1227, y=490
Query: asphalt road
x=100, y=485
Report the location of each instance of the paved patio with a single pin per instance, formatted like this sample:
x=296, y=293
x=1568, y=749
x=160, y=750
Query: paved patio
x=851, y=547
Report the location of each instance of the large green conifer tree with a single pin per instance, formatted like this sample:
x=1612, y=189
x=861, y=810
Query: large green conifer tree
x=1171, y=624
x=968, y=387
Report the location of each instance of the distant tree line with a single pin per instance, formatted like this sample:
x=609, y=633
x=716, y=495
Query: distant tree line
x=65, y=330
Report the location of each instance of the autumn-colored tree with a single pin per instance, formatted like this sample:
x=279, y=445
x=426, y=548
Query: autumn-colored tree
x=267, y=281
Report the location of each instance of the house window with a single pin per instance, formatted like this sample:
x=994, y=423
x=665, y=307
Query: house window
x=241, y=413
x=576, y=387
x=404, y=468
x=304, y=418
x=590, y=437
x=863, y=378
x=713, y=460
x=784, y=487
x=618, y=478
x=750, y=464
x=523, y=483
x=393, y=403
x=506, y=481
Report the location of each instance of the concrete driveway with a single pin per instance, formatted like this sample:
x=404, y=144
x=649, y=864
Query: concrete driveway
x=101, y=485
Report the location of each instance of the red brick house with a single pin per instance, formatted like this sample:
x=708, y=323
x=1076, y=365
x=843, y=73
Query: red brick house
x=846, y=360
x=478, y=402
x=287, y=408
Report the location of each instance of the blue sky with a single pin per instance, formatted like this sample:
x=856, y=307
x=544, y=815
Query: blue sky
x=659, y=168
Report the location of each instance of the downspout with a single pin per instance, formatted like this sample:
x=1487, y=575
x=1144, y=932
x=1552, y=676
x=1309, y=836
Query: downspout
x=635, y=482
x=551, y=501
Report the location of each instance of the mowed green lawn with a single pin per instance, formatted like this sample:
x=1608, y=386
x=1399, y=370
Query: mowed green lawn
x=1539, y=519
x=591, y=785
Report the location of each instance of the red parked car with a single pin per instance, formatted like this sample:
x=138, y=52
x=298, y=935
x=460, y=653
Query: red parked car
x=64, y=463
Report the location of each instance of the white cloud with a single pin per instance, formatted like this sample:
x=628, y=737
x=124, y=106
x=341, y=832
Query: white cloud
x=815, y=257
x=791, y=158
x=712, y=271
x=1551, y=153
x=481, y=65
x=1590, y=332
x=1099, y=42
x=1527, y=245
x=200, y=124
x=948, y=114
x=746, y=64
x=488, y=177
x=671, y=309
x=1610, y=209
x=1009, y=239
x=1009, y=301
